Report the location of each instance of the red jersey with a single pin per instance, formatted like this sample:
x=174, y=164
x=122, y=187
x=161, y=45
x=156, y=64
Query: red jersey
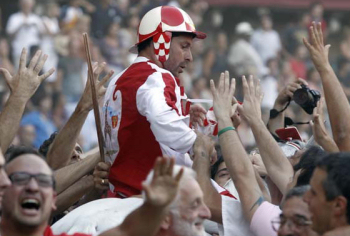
x=48, y=232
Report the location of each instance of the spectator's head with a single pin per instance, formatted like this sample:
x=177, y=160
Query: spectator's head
x=329, y=196
x=169, y=46
x=52, y=10
x=266, y=22
x=188, y=211
x=4, y=180
x=28, y=203
x=300, y=52
x=316, y=10
x=83, y=24
x=219, y=172
x=112, y=29
x=45, y=147
x=295, y=218
x=27, y=135
x=221, y=41
x=244, y=30
x=272, y=64
x=26, y=6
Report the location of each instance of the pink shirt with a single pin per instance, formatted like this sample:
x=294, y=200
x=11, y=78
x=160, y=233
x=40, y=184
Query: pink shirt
x=261, y=221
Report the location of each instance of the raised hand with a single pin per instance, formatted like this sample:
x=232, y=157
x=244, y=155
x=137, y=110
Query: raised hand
x=251, y=108
x=287, y=92
x=223, y=95
x=164, y=186
x=197, y=115
x=27, y=79
x=319, y=130
x=204, y=147
x=317, y=50
x=86, y=99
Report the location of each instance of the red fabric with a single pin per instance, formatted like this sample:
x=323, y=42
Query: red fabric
x=299, y=68
x=48, y=232
x=169, y=91
x=138, y=146
x=228, y=194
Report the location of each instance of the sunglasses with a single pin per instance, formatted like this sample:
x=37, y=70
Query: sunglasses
x=23, y=178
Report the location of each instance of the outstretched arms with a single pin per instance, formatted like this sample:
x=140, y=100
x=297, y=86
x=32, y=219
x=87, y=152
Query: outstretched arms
x=22, y=86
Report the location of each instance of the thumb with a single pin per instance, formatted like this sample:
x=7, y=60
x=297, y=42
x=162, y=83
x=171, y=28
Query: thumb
x=6, y=75
x=327, y=48
x=146, y=188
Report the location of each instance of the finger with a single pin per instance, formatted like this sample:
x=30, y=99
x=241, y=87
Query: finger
x=107, y=77
x=245, y=87
x=227, y=82
x=6, y=75
x=146, y=188
x=232, y=88
x=327, y=49
x=320, y=33
x=234, y=100
x=221, y=83
x=98, y=71
x=40, y=65
x=314, y=40
x=103, y=166
x=307, y=44
x=162, y=166
x=257, y=88
x=317, y=35
x=234, y=108
x=251, y=85
x=23, y=59
x=179, y=175
x=302, y=81
x=47, y=74
x=171, y=166
x=34, y=60
x=156, y=168
x=212, y=88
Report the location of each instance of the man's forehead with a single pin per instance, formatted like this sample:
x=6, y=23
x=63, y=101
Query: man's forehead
x=30, y=163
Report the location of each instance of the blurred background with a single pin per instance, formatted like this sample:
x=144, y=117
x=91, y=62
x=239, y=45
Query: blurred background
x=258, y=37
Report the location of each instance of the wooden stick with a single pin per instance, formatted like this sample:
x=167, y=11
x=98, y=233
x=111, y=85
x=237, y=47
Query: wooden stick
x=94, y=97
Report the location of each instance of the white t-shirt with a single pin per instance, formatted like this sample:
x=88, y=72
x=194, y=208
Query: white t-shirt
x=26, y=30
x=266, y=43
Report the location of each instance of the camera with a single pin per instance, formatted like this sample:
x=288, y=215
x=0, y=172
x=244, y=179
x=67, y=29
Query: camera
x=306, y=98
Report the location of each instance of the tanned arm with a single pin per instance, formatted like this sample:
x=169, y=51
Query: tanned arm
x=336, y=100
x=22, y=86
x=236, y=159
x=60, y=151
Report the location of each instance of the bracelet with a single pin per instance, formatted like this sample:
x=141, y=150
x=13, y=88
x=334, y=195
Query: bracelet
x=225, y=129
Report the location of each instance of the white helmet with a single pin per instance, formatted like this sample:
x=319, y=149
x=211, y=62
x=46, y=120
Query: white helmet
x=159, y=23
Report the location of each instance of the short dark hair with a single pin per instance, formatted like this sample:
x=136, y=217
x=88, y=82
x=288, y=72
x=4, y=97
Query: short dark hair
x=15, y=151
x=215, y=167
x=308, y=163
x=44, y=148
x=337, y=182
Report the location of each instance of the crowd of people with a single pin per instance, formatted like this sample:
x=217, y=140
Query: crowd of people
x=232, y=160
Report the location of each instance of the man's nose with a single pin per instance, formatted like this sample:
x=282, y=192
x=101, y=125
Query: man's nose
x=204, y=212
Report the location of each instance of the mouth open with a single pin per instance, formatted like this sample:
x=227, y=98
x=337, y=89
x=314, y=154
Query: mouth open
x=30, y=206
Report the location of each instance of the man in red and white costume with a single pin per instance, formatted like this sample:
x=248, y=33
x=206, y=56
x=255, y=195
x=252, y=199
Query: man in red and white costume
x=143, y=114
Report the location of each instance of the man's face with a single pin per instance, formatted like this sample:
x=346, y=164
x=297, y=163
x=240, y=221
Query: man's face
x=28, y=203
x=295, y=219
x=188, y=219
x=75, y=157
x=180, y=54
x=222, y=175
x=319, y=207
x=4, y=180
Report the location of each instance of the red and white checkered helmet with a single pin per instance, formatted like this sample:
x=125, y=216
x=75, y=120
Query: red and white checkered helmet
x=159, y=23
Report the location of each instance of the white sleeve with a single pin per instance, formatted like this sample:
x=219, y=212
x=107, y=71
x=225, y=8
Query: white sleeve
x=14, y=23
x=157, y=100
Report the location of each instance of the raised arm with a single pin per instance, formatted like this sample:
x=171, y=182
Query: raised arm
x=146, y=219
x=203, y=150
x=60, y=151
x=337, y=103
x=68, y=175
x=236, y=159
x=277, y=165
x=22, y=86
x=284, y=96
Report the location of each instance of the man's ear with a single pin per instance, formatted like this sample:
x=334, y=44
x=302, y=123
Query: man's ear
x=340, y=206
x=54, y=198
x=165, y=225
